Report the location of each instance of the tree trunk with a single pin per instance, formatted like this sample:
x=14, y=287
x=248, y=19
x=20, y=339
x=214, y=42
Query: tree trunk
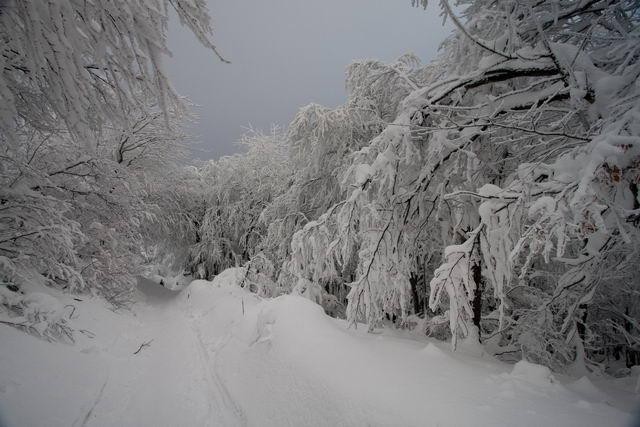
x=413, y=281
x=476, y=304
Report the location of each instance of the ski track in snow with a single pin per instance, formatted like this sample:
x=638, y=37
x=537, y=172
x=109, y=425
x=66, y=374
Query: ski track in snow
x=218, y=392
x=85, y=420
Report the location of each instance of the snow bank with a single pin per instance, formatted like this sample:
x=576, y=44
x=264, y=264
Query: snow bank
x=317, y=372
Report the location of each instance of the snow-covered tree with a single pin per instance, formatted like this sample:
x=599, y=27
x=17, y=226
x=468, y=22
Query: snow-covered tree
x=86, y=116
x=92, y=206
x=322, y=144
x=77, y=64
x=239, y=188
x=178, y=201
x=515, y=162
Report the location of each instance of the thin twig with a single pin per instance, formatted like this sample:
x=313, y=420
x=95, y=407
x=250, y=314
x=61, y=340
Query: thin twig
x=143, y=345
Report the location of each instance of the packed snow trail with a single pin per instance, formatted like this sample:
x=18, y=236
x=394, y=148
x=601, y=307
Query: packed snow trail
x=220, y=356
x=99, y=381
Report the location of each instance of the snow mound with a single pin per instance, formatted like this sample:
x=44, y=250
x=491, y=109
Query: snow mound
x=229, y=277
x=588, y=390
x=171, y=279
x=433, y=351
x=532, y=373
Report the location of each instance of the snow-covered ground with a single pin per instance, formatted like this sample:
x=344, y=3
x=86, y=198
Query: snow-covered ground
x=220, y=356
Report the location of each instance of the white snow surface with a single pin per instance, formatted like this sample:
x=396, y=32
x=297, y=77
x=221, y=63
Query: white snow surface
x=220, y=356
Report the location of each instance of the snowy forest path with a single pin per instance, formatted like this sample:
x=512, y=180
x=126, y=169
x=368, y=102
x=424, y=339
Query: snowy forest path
x=172, y=380
x=221, y=356
x=220, y=398
x=217, y=355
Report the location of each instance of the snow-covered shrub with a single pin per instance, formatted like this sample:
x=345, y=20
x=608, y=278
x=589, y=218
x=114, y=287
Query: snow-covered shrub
x=36, y=313
x=259, y=277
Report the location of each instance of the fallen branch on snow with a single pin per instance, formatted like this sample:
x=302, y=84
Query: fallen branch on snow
x=143, y=345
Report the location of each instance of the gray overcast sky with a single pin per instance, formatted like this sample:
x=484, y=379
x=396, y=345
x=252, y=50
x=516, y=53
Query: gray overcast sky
x=286, y=54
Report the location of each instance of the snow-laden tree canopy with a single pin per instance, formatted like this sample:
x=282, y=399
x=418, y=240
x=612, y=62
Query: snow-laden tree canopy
x=88, y=126
x=515, y=167
x=75, y=64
